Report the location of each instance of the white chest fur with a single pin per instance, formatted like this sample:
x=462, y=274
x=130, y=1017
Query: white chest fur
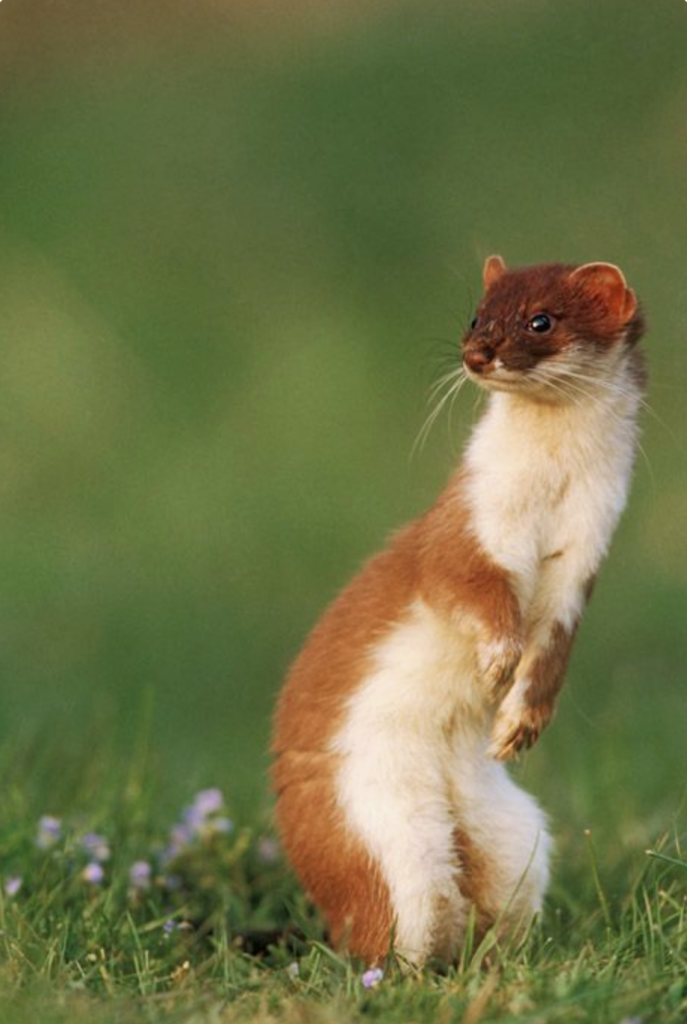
x=548, y=482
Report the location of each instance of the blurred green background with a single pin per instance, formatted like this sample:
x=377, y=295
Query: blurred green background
x=238, y=243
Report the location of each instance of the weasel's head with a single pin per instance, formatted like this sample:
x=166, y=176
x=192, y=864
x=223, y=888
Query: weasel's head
x=550, y=330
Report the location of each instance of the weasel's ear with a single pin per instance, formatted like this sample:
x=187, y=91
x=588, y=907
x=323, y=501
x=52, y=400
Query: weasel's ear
x=607, y=282
x=494, y=268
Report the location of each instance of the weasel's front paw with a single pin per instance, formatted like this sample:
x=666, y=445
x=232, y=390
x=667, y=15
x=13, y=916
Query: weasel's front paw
x=497, y=661
x=517, y=726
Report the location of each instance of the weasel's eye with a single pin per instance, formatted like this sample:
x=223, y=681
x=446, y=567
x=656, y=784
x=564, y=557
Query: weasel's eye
x=474, y=322
x=540, y=322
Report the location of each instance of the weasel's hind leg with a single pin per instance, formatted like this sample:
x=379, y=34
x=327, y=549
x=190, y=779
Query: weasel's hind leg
x=338, y=873
x=382, y=868
x=404, y=818
x=504, y=848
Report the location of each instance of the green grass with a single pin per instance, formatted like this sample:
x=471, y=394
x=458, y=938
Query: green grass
x=235, y=248
x=609, y=947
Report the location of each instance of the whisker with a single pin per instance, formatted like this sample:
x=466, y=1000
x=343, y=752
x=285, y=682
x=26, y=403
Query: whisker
x=452, y=403
x=576, y=390
x=613, y=386
x=548, y=375
x=610, y=386
x=647, y=463
x=607, y=385
x=453, y=382
x=451, y=395
x=444, y=379
x=570, y=393
x=597, y=381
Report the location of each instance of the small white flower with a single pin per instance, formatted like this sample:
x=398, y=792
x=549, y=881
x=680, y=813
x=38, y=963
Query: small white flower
x=268, y=850
x=372, y=978
x=221, y=824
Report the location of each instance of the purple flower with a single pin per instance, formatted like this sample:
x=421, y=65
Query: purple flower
x=139, y=875
x=96, y=846
x=13, y=885
x=169, y=927
x=193, y=821
x=198, y=821
x=93, y=873
x=208, y=801
x=49, y=832
x=179, y=838
x=372, y=978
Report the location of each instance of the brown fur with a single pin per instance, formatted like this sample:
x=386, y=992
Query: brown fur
x=475, y=879
x=436, y=558
x=310, y=709
x=546, y=678
x=335, y=657
x=315, y=835
x=456, y=575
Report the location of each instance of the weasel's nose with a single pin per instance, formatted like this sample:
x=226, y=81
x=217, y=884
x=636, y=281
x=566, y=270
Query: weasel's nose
x=477, y=359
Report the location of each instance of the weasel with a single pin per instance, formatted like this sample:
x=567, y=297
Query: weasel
x=443, y=658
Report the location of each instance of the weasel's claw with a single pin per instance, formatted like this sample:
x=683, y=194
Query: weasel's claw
x=516, y=727
x=509, y=747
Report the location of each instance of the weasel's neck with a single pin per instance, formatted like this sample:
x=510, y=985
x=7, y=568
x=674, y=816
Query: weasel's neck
x=595, y=416
x=542, y=476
